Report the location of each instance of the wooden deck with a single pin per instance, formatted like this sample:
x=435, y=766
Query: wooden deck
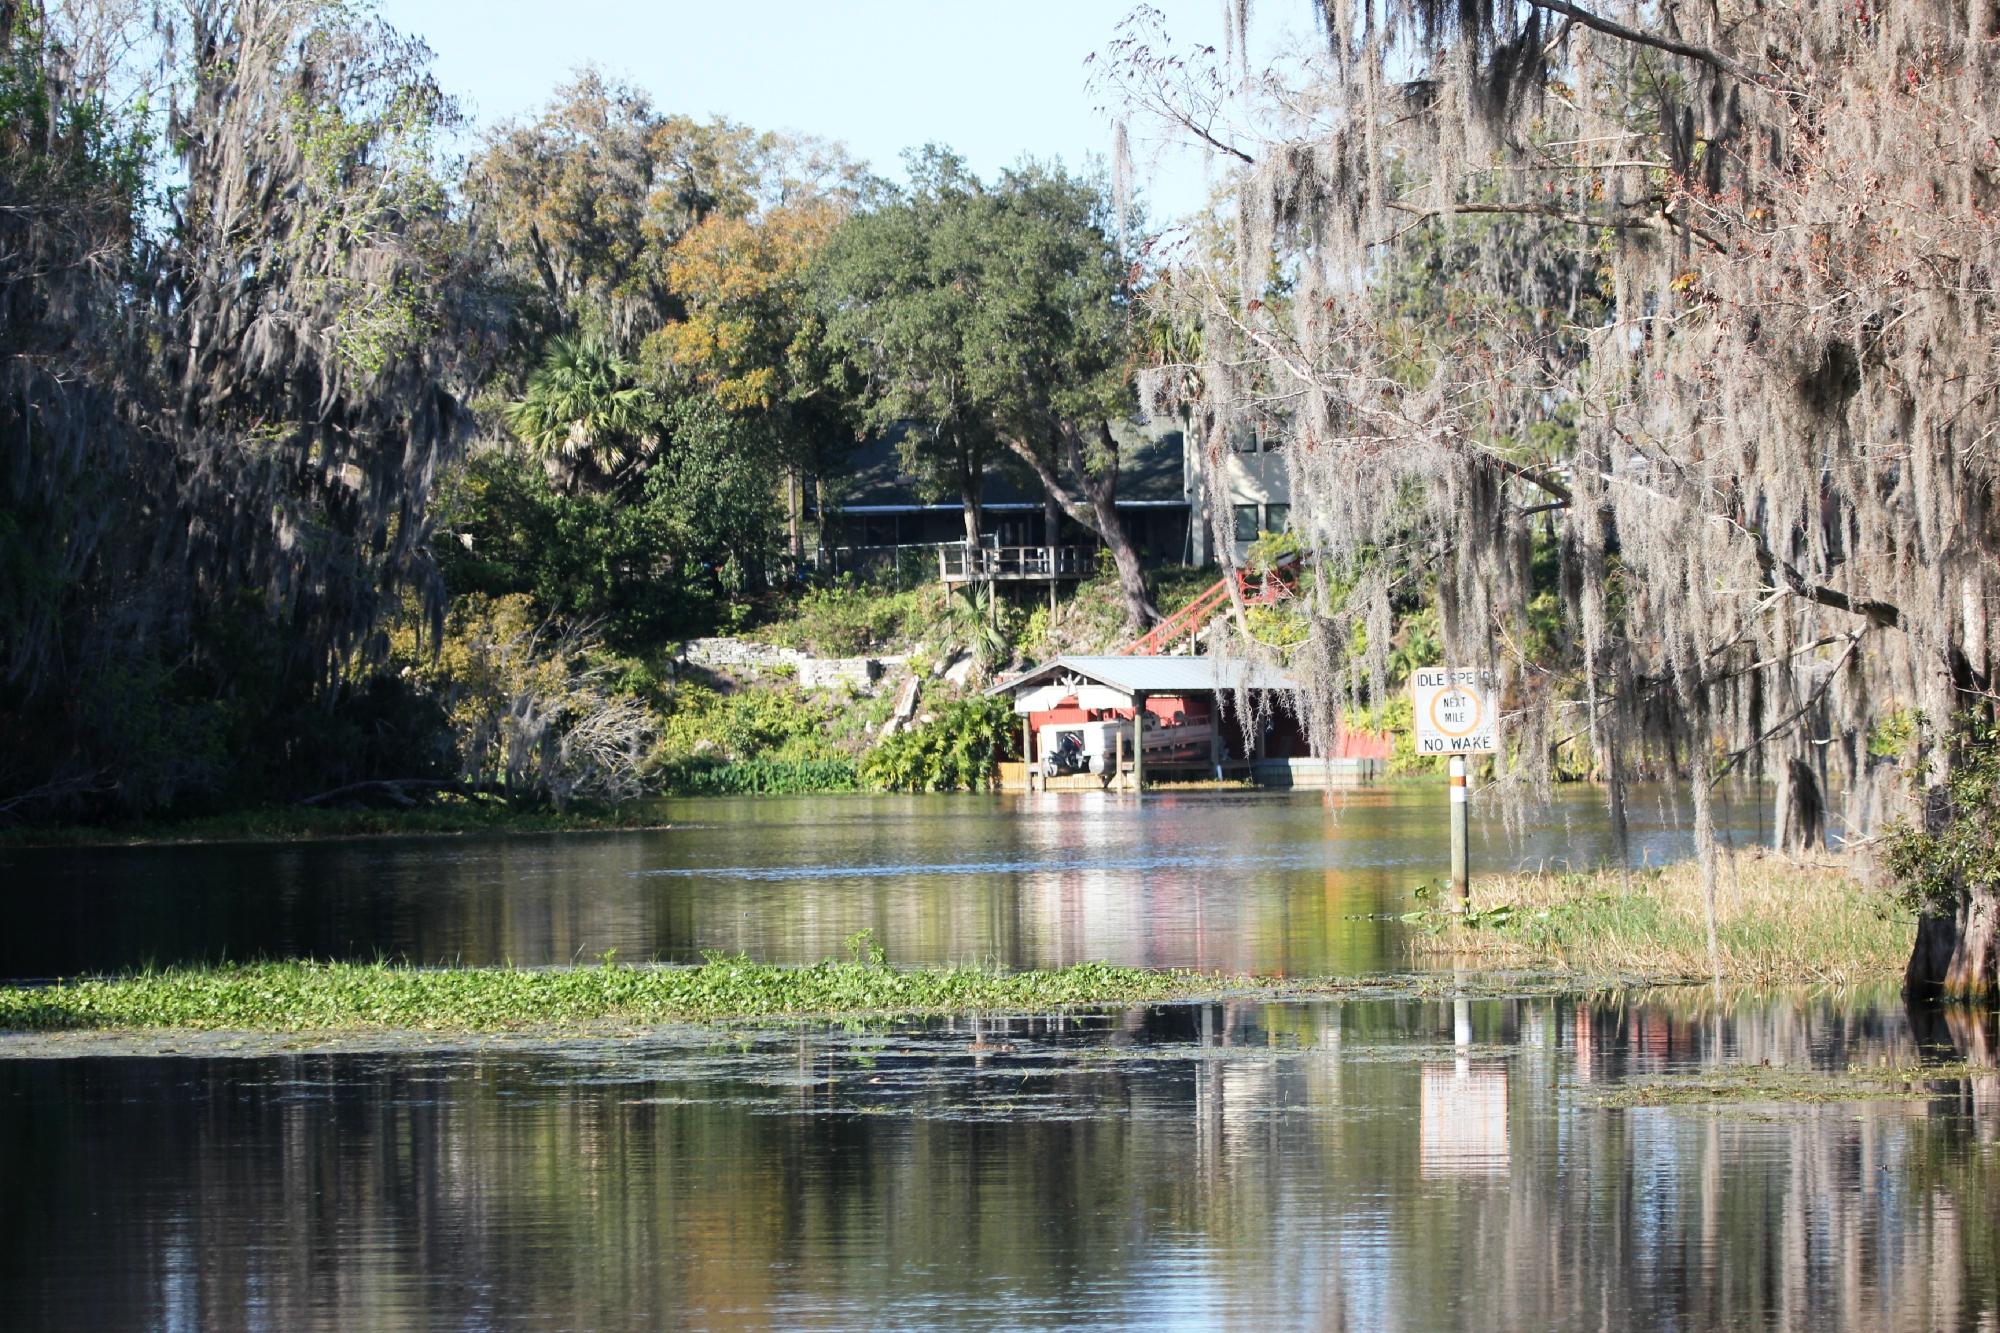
x=1015, y=564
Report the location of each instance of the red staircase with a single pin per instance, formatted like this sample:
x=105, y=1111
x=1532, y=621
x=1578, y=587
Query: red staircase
x=1257, y=589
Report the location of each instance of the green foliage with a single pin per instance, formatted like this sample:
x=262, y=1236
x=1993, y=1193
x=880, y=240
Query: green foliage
x=982, y=624
x=583, y=407
x=1894, y=735
x=307, y=996
x=701, y=776
x=1419, y=643
x=657, y=563
x=1397, y=716
x=848, y=619
x=785, y=725
x=958, y=750
x=1273, y=550
x=1281, y=626
x=1952, y=854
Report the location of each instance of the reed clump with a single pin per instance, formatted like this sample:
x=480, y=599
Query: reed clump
x=1777, y=921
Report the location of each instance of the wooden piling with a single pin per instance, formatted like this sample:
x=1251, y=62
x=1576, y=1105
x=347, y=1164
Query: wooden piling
x=1139, y=741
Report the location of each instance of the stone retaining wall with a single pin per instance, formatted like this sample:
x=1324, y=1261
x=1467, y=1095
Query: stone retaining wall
x=743, y=657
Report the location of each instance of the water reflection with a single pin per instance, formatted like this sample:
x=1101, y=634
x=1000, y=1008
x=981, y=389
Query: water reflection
x=1264, y=883
x=1368, y=1164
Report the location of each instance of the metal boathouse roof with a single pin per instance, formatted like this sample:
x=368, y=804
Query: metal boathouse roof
x=1153, y=675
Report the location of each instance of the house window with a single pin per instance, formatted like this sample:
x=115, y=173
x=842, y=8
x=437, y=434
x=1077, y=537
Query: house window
x=1246, y=524
x=1243, y=438
x=1277, y=518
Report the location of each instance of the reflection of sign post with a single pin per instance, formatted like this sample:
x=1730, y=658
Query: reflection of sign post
x=1454, y=715
x=1463, y=1119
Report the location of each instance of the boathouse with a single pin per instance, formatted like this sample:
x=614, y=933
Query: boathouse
x=1125, y=721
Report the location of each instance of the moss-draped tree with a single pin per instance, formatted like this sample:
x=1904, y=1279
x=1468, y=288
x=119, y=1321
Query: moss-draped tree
x=1776, y=510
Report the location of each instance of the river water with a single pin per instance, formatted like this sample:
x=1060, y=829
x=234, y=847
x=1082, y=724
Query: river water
x=1265, y=882
x=1372, y=1163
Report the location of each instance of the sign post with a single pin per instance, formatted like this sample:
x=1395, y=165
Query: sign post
x=1454, y=716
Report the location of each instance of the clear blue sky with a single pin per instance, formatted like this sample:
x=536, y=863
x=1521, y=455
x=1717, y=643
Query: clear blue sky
x=992, y=81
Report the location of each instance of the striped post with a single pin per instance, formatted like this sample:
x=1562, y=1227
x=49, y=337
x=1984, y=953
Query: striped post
x=1461, y=878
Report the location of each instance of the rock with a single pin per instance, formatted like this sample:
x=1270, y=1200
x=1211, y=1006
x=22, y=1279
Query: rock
x=742, y=657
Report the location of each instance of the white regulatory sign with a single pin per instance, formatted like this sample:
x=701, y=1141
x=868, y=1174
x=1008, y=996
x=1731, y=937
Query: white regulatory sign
x=1454, y=710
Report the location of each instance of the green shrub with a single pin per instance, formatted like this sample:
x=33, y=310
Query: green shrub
x=847, y=619
x=755, y=777
x=1935, y=862
x=955, y=751
x=749, y=724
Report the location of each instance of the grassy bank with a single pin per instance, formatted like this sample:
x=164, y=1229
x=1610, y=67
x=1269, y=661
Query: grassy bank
x=294, y=823
x=307, y=997
x=1777, y=921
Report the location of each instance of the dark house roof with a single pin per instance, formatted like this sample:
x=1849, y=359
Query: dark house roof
x=1150, y=473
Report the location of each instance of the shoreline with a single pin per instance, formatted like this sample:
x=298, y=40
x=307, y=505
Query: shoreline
x=283, y=825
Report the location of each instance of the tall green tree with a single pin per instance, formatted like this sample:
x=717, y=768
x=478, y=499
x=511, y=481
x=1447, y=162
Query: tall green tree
x=583, y=202
x=899, y=287
x=1053, y=351
x=992, y=322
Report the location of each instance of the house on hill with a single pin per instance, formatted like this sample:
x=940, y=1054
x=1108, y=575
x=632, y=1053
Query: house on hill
x=883, y=521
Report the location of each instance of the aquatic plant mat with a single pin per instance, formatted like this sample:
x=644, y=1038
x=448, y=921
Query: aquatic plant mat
x=301, y=997
x=1762, y=1085
x=1777, y=922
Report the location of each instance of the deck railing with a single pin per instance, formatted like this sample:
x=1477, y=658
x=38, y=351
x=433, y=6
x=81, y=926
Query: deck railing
x=903, y=566
x=979, y=564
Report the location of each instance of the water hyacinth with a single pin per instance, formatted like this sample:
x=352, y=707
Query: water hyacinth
x=320, y=996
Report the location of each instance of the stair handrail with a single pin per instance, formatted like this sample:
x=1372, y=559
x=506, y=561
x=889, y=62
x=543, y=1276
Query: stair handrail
x=1272, y=586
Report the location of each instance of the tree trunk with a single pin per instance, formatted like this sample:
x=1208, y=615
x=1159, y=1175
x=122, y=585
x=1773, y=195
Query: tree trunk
x=1139, y=609
x=969, y=501
x=793, y=504
x=1801, y=810
x=1957, y=953
x=1975, y=956
x=1091, y=498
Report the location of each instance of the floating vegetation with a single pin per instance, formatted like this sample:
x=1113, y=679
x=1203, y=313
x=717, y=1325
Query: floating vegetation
x=314, y=996
x=1728, y=1085
x=331, y=997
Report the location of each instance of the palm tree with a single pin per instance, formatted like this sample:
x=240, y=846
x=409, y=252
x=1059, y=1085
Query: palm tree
x=974, y=615
x=583, y=410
